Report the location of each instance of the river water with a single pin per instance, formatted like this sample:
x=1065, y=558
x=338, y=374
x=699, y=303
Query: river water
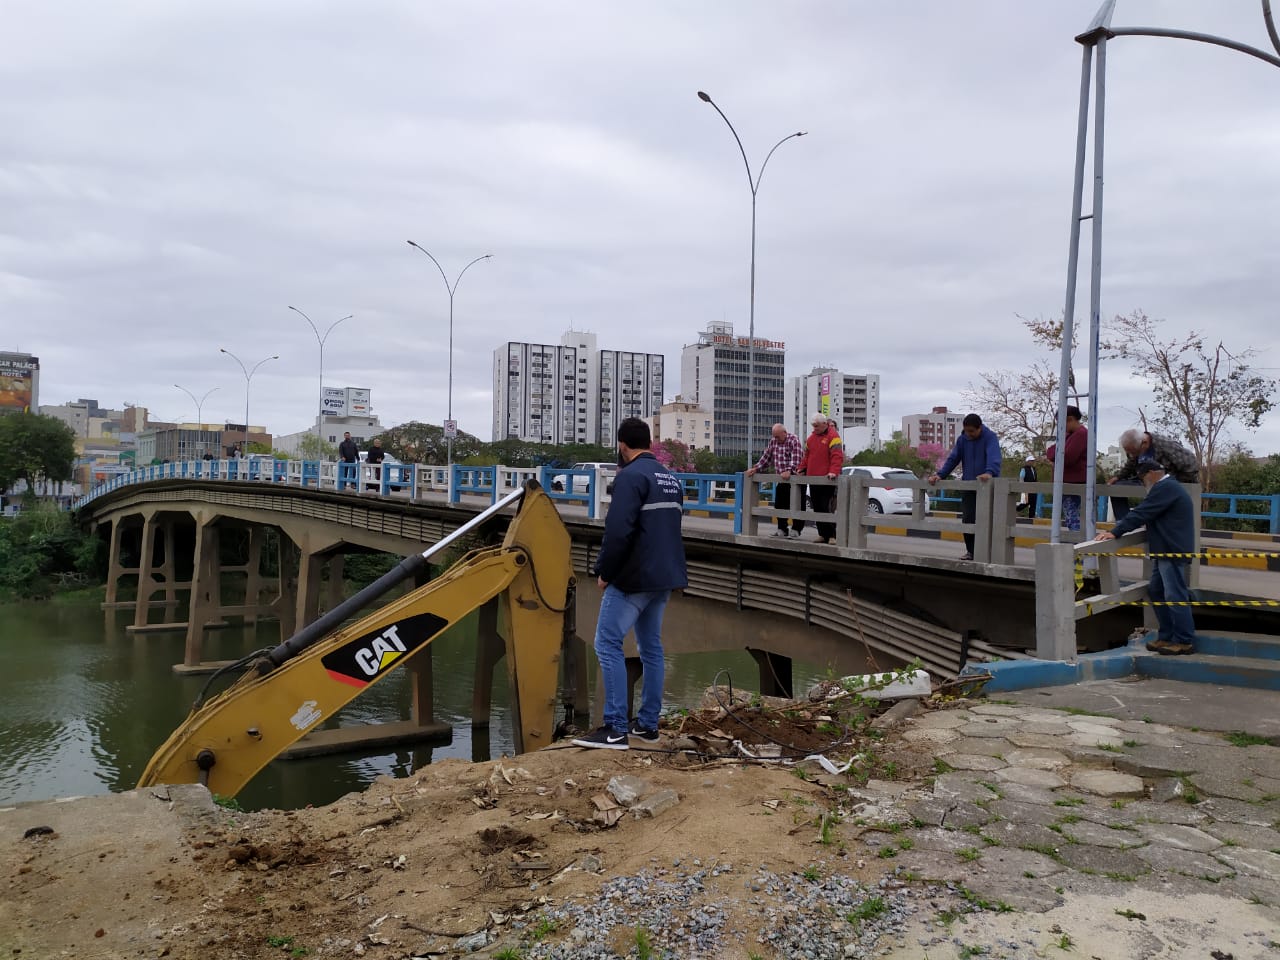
x=83, y=705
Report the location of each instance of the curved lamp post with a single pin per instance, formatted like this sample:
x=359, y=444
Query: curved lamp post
x=754, y=184
x=199, y=403
x=320, y=340
x=1094, y=41
x=248, y=377
x=452, y=288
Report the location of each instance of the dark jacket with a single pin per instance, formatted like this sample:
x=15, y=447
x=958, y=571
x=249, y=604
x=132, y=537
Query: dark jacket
x=1075, y=463
x=1168, y=515
x=374, y=455
x=642, y=548
x=1177, y=460
x=348, y=451
x=978, y=456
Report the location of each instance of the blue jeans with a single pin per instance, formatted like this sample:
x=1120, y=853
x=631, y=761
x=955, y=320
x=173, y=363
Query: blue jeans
x=1169, y=582
x=619, y=613
x=1071, y=511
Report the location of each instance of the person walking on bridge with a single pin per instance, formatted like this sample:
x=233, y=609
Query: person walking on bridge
x=823, y=457
x=1170, y=519
x=782, y=454
x=640, y=562
x=978, y=450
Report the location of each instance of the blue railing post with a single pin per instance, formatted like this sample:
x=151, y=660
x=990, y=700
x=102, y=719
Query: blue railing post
x=1273, y=522
x=737, y=504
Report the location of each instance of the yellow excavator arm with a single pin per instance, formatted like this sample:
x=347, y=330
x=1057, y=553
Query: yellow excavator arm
x=224, y=742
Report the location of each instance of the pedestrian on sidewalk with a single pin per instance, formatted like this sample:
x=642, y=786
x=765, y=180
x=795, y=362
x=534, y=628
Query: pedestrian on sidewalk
x=1170, y=519
x=640, y=562
x=1028, y=475
x=823, y=457
x=783, y=454
x=977, y=449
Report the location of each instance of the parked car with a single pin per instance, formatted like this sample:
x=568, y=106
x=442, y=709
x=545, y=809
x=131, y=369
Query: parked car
x=888, y=499
x=580, y=483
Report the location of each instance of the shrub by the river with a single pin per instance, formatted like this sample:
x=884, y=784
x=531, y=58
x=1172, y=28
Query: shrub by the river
x=42, y=549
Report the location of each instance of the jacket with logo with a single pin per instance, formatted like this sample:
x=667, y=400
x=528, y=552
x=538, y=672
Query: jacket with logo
x=642, y=549
x=823, y=453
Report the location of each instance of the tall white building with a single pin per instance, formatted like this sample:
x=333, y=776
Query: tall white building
x=571, y=392
x=714, y=374
x=688, y=423
x=850, y=400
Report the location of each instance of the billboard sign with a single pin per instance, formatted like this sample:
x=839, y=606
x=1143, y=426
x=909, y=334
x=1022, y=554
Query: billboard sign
x=824, y=396
x=17, y=382
x=358, y=402
x=333, y=402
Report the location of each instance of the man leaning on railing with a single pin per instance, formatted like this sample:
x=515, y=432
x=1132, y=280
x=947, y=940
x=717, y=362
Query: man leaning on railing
x=1170, y=519
x=782, y=454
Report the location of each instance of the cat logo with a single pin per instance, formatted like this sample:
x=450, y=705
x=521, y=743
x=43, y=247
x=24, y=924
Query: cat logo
x=364, y=659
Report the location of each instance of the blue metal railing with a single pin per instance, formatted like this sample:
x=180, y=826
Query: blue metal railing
x=716, y=494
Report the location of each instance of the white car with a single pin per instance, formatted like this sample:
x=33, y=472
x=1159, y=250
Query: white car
x=581, y=482
x=888, y=499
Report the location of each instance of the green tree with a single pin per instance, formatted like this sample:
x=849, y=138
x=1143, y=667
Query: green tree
x=1199, y=387
x=312, y=447
x=705, y=461
x=673, y=455
x=35, y=448
x=417, y=442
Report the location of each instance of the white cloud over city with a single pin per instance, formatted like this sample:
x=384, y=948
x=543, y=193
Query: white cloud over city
x=173, y=176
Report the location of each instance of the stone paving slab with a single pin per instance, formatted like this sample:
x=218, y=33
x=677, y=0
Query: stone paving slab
x=1022, y=836
x=1108, y=783
x=1102, y=860
x=1185, y=862
x=1021, y=812
x=1257, y=863
x=1099, y=835
x=1243, y=835
x=1184, y=838
x=1030, y=777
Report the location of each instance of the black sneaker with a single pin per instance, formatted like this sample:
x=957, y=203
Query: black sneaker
x=605, y=738
x=640, y=733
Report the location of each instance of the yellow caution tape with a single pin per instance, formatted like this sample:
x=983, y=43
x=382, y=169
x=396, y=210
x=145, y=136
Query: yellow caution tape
x=1089, y=605
x=1217, y=553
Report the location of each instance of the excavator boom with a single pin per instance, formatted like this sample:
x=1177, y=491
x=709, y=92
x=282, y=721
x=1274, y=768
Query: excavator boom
x=226, y=741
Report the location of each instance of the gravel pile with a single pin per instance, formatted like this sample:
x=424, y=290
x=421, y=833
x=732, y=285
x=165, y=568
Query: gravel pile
x=819, y=918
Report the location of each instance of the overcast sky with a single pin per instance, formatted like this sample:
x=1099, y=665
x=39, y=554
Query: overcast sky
x=174, y=175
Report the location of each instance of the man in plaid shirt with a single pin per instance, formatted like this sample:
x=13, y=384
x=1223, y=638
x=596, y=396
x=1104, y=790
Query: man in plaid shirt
x=782, y=454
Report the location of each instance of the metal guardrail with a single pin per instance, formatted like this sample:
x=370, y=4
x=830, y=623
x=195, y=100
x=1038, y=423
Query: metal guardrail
x=745, y=501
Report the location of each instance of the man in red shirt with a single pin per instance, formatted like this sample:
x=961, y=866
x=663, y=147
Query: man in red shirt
x=823, y=456
x=1074, y=465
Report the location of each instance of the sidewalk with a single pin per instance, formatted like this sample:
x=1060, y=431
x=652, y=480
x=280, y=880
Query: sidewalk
x=1083, y=827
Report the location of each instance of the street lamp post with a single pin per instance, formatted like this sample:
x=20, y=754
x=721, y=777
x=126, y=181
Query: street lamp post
x=320, y=340
x=754, y=184
x=452, y=289
x=199, y=403
x=248, y=377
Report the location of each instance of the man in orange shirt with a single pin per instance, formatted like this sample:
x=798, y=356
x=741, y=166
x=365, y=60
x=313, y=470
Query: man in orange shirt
x=823, y=456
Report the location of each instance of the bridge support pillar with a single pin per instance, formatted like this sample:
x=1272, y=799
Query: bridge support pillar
x=310, y=571
x=146, y=583
x=205, y=606
x=775, y=673
x=333, y=589
x=283, y=606
x=115, y=566
x=1055, y=601
x=168, y=569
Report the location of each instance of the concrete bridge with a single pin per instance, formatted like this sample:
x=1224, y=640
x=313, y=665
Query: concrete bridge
x=209, y=543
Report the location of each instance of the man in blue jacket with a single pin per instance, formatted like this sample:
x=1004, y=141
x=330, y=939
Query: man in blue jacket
x=640, y=562
x=1170, y=519
x=978, y=450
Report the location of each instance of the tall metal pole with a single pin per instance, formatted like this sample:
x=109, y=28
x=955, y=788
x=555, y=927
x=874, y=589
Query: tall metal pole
x=248, y=377
x=320, y=340
x=451, y=288
x=199, y=403
x=1095, y=291
x=754, y=184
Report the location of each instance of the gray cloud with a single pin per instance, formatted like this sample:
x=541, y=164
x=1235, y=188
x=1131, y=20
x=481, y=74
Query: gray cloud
x=172, y=177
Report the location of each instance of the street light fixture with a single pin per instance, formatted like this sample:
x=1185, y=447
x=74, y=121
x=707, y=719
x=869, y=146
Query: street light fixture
x=452, y=289
x=248, y=377
x=320, y=340
x=754, y=184
x=199, y=403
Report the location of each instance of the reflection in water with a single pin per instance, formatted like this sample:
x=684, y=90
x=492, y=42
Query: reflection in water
x=83, y=705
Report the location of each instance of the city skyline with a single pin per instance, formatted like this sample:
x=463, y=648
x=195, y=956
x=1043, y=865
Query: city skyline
x=163, y=203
